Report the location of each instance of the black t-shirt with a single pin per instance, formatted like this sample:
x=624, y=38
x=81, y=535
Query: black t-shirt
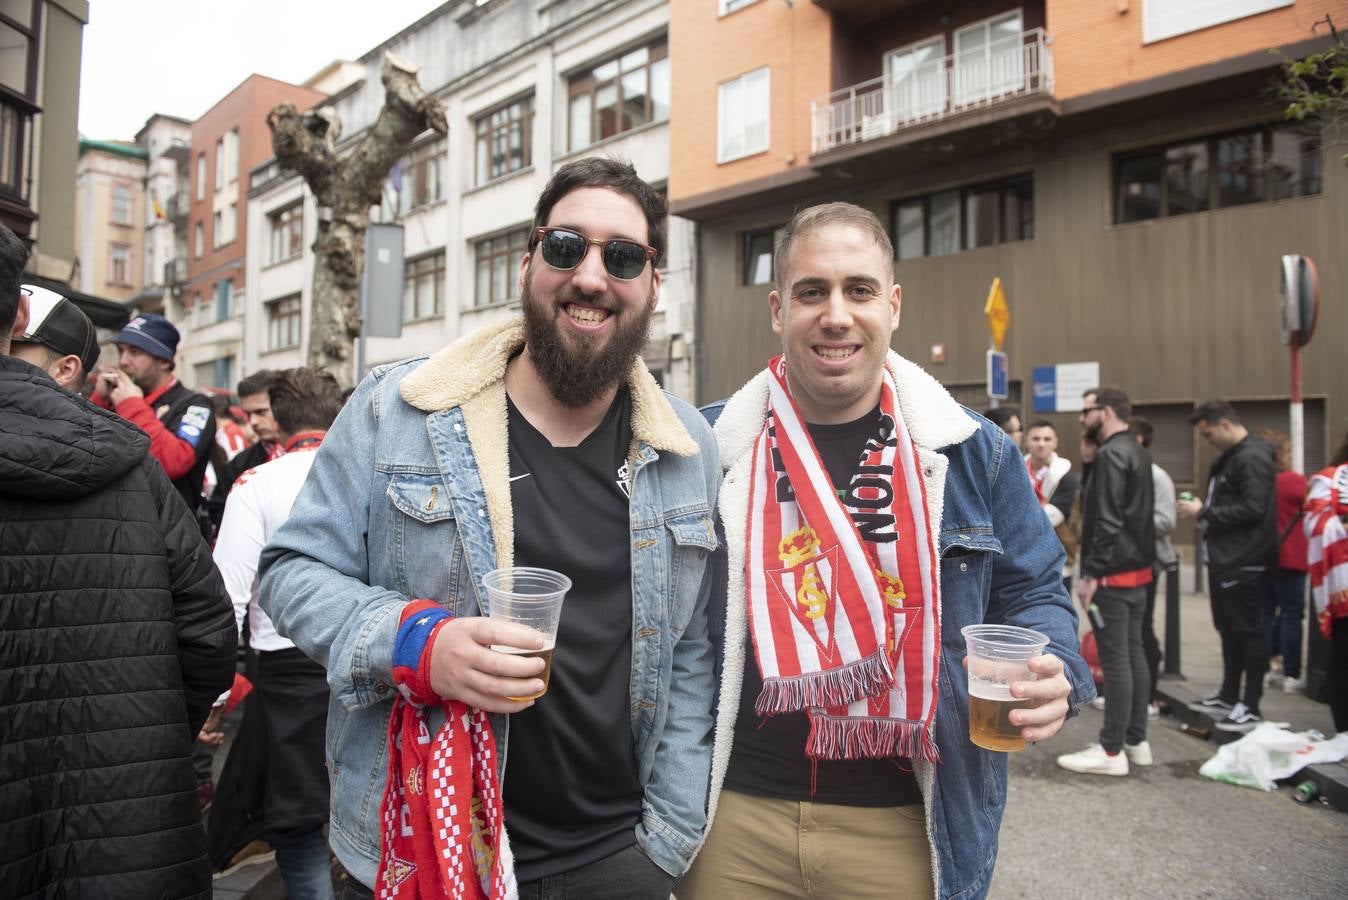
x=572, y=794
x=769, y=758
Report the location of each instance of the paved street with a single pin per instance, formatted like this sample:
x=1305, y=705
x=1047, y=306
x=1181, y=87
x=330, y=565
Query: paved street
x=1167, y=831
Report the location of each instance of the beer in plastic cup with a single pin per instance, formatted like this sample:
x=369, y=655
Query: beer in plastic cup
x=998, y=656
x=531, y=597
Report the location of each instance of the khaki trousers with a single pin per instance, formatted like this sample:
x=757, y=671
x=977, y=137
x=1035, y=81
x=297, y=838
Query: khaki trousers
x=764, y=849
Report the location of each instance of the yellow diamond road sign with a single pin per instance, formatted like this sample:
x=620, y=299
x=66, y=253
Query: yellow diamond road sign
x=998, y=313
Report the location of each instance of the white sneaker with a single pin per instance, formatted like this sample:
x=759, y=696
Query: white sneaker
x=1293, y=685
x=1139, y=754
x=1273, y=679
x=1098, y=702
x=1094, y=761
x=1153, y=711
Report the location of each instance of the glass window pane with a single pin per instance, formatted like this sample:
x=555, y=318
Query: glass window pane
x=945, y=223
x=1019, y=222
x=606, y=111
x=1240, y=175
x=580, y=122
x=908, y=226
x=981, y=218
x=14, y=49
x=409, y=299
x=758, y=257
x=634, y=60
x=634, y=99
x=1186, y=178
x=1295, y=164
x=500, y=277
x=606, y=71
x=660, y=90
x=1139, y=188
x=482, y=293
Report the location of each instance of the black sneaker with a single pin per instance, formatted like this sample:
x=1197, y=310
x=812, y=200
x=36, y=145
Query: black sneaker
x=1241, y=718
x=1212, y=703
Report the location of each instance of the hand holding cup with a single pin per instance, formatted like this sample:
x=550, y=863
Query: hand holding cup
x=464, y=666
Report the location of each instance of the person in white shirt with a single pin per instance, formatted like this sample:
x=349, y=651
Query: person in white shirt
x=1055, y=485
x=274, y=785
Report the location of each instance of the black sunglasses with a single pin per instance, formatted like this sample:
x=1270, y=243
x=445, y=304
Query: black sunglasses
x=565, y=248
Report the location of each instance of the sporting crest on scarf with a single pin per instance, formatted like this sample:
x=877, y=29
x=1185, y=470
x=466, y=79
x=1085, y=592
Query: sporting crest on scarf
x=843, y=597
x=1327, y=545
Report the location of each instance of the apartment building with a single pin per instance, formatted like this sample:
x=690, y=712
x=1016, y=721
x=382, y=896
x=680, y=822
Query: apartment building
x=527, y=86
x=1120, y=166
x=227, y=143
x=167, y=142
x=110, y=218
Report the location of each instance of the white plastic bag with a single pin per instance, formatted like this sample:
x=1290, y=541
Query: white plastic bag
x=1270, y=752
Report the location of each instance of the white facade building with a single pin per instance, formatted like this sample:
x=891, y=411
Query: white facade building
x=167, y=140
x=527, y=86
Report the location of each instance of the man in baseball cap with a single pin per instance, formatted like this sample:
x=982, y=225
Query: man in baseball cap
x=59, y=338
x=143, y=390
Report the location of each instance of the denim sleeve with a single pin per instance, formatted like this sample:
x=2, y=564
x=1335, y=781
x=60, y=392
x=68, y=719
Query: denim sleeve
x=1027, y=587
x=677, y=792
x=314, y=573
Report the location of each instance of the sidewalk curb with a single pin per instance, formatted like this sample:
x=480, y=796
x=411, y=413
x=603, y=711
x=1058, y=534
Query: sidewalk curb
x=1331, y=779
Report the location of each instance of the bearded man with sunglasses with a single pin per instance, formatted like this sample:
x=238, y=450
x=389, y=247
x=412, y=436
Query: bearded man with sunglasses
x=541, y=441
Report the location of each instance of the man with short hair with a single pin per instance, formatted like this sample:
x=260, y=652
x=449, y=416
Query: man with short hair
x=255, y=401
x=868, y=518
x=1239, y=525
x=1055, y=486
x=274, y=785
x=117, y=637
x=1118, y=547
x=545, y=442
x=58, y=339
x=145, y=392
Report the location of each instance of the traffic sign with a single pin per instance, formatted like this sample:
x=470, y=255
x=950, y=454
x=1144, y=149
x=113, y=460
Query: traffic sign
x=998, y=375
x=998, y=313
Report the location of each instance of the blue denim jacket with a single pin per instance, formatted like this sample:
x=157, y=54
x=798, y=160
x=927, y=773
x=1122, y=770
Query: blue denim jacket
x=409, y=498
x=1000, y=562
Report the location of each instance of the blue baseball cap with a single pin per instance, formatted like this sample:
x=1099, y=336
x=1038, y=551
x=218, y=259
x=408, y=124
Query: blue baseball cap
x=152, y=333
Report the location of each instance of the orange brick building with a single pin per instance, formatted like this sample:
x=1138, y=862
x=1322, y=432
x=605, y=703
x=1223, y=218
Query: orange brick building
x=1121, y=165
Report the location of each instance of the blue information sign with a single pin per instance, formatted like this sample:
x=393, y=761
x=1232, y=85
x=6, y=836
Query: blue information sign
x=998, y=375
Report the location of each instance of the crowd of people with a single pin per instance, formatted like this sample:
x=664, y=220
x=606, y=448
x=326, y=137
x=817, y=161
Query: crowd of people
x=757, y=687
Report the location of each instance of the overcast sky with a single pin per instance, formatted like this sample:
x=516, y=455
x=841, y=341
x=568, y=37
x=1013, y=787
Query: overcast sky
x=180, y=56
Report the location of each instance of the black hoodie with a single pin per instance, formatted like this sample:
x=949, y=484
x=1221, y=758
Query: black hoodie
x=116, y=634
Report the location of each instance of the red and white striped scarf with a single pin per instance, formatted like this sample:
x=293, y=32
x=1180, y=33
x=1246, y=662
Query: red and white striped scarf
x=844, y=605
x=1327, y=540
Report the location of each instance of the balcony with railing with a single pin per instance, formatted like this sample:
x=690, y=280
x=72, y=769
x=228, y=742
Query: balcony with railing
x=918, y=90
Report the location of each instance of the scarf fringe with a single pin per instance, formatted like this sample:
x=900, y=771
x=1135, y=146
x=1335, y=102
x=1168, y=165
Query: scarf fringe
x=832, y=737
x=869, y=677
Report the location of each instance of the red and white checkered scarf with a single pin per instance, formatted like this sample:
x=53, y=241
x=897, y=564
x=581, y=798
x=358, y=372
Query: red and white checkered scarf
x=844, y=607
x=1327, y=550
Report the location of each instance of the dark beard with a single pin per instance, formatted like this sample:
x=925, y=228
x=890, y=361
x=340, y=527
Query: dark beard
x=1093, y=432
x=577, y=376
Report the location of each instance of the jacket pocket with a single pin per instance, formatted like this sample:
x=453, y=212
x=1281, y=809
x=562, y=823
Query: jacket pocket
x=966, y=576
x=692, y=538
x=429, y=558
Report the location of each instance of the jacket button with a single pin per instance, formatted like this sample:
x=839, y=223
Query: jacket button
x=964, y=567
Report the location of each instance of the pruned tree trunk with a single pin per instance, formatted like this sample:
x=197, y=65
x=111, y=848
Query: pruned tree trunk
x=345, y=188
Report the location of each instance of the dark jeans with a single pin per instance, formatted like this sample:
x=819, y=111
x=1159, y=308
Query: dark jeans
x=1127, y=684
x=1283, y=612
x=1237, y=598
x=626, y=874
x=1337, y=674
x=1151, y=647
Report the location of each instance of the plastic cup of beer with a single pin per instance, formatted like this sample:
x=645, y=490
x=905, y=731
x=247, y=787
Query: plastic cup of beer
x=998, y=656
x=531, y=597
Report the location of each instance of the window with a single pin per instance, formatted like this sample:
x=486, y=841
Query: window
x=283, y=323
x=232, y=155
x=742, y=116
x=418, y=179
x=220, y=164
x=504, y=136
x=287, y=232
x=759, y=247
x=1167, y=18
x=619, y=94
x=423, y=287
x=1251, y=166
x=224, y=299
x=988, y=58
x=121, y=205
x=201, y=176
x=215, y=373
x=964, y=218
x=18, y=57
x=915, y=80
x=119, y=264
x=200, y=239
x=497, y=261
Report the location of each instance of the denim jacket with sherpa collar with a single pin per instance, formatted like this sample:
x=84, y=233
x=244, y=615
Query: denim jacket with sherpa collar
x=1000, y=563
x=409, y=497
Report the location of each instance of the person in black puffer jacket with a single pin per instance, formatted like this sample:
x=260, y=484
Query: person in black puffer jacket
x=116, y=634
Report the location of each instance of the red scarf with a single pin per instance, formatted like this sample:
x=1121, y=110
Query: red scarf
x=844, y=610
x=1327, y=539
x=1037, y=479
x=442, y=833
